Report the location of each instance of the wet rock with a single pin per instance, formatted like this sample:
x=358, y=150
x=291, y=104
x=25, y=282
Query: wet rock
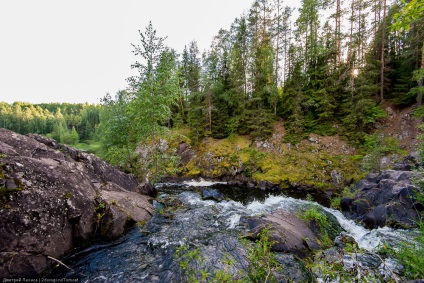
x=212, y=194
x=343, y=240
x=384, y=199
x=290, y=233
x=251, y=185
x=167, y=201
x=354, y=265
x=262, y=185
x=293, y=270
x=376, y=217
x=51, y=204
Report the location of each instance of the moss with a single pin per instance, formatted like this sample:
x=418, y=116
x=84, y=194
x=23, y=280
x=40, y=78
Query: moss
x=307, y=163
x=67, y=196
x=141, y=223
x=194, y=172
x=4, y=192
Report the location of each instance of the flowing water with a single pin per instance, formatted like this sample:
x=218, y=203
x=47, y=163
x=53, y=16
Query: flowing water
x=147, y=254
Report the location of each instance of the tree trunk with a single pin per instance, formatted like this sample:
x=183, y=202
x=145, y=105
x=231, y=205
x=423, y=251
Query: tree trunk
x=351, y=64
x=383, y=35
x=338, y=36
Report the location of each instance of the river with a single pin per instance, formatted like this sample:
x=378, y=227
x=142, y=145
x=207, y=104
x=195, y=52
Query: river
x=147, y=253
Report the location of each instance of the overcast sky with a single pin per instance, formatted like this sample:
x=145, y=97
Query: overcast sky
x=77, y=51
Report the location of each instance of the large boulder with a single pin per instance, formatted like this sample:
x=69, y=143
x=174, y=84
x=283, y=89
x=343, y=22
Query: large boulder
x=384, y=199
x=54, y=198
x=289, y=233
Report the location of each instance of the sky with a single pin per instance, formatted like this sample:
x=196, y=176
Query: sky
x=77, y=51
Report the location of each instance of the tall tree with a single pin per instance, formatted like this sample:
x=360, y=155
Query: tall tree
x=383, y=48
x=411, y=13
x=155, y=87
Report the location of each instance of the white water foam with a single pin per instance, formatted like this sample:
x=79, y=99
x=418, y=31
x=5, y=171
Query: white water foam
x=366, y=239
x=201, y=183
x=191, y=183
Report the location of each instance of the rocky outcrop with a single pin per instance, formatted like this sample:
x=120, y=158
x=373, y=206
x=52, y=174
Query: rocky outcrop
x=384, y=199
x=54, y=198
x=185, y=153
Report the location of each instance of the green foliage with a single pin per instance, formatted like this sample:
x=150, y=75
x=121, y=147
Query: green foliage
x=377, y=146
x=335, y=202
x=69, y=137
x=409, y=13
x=67, y=122
x=188, y=258
x=256, y=123
x=262, y=260
x=92, y=146
x=313, y=215
x=409, y=253
x=261, y=269
x=361, y=114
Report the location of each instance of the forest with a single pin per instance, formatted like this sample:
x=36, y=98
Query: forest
x=65, y=122
x=328, y=71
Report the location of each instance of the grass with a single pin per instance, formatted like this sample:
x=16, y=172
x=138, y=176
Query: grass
x=92, y=146
x=314, y=215
x=262, y=263
x=411, y=256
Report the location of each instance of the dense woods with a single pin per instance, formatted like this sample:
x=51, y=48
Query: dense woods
x=327, y=68
x=66, y=123
x=328, y=71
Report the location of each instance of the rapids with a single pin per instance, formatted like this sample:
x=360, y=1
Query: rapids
x=147, y=254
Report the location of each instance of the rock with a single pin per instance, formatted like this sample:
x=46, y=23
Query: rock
x=390, y=111
x=377, y=217
x=262, y=185
x=290, y=233
x=58, y=198
x=10, y=184
x=345, y=204
x=293, y=270
x=384, y=199
x=313, y=140
x=122, y=207
x=185, y=153
x=338, y=179
x=212, y=194
x=251, y=185
x=146, y=188
x=364, y=185
x=365, y=267
x=408, y=163
x=343, y=240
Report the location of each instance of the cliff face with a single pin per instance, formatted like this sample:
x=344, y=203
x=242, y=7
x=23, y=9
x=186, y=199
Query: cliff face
x=54, y=198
